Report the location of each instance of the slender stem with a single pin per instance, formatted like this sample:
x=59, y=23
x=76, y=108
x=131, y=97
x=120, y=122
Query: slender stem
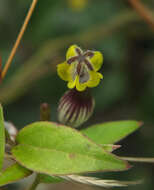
x=138, y=159
x=35, y=183
x=21, y=33
x=8, y=156
x=143, y=11
x=0, y=69
x=8, y=138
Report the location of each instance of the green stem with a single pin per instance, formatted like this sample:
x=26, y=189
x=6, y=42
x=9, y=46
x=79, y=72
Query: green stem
x=8, y=139
x=8, y=156
x=138, y=159
x=35, y=183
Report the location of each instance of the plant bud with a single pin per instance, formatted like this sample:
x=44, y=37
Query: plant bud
x=75, y=107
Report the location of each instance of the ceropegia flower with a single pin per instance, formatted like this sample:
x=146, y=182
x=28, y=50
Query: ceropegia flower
x=75, y=107
x=80, y=69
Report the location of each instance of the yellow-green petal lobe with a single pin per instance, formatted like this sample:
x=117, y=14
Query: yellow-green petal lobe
x=95, y=78
x=80, y=86
x=97, y=60
x=71, y=52
x=71, y=84
x=63, y=71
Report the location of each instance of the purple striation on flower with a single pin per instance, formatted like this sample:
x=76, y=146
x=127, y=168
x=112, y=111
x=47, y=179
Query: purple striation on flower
x=75, y=107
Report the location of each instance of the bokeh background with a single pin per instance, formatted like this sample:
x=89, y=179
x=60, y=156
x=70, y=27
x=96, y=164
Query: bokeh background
x=126, y=92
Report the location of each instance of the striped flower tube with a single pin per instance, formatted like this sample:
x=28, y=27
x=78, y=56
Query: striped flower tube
x=75, y=107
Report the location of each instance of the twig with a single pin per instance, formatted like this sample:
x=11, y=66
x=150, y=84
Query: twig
x=143, y=11
x=0, y=69
x=133, y=159
x=35, y=183
x=21, y=33
x=8, y=156
x=93, y=181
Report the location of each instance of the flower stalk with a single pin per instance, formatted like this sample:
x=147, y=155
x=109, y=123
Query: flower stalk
x=35, y=183
x=45, y=112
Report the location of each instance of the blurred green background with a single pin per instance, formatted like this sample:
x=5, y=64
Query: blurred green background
x=126, y=92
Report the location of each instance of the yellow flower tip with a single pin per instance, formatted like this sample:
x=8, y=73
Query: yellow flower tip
x=97, y=60
x=100, y=75
x=71, y=84
x=80, y=68
x=63, y=71
x=80, y=87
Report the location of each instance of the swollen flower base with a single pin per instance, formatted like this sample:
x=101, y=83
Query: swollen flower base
x=75, y=107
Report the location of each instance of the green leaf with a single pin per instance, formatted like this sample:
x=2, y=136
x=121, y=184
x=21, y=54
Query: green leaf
x=111, y=132
x=13, y=173
x=53, y=149
x=2, y=138
x=110, y=147
x=43, y=178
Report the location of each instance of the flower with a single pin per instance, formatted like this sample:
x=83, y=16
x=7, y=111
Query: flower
x=75, y=107
x=77, y=5
x=80, y=68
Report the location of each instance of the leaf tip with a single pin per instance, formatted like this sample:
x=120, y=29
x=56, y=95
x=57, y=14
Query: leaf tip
x=128, y=166
x=115, y=147
x=140, y=123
